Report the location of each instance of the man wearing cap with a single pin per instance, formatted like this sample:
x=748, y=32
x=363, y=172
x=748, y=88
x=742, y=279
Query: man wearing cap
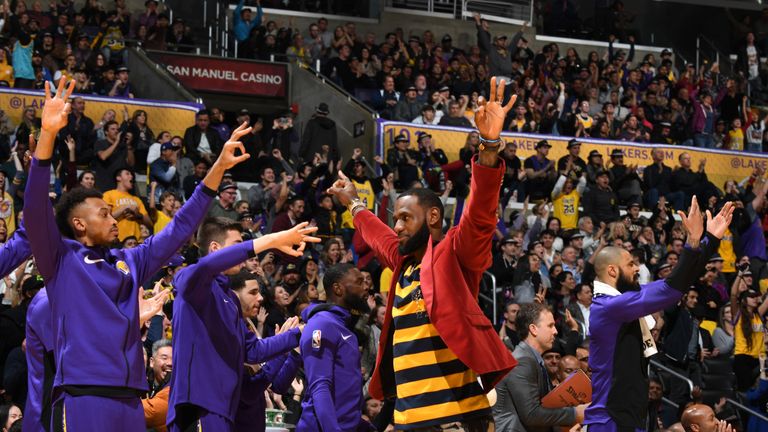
x=428, y=116
x=164, y=170
x=225, y=205
x=319, y=131
x=408, y=108
x=121, y=88
x=403, y=162
x=505, y=262
x=624, y=179
x=540, y=173
x=500, y=61
x=578, y=165
x=600, y=202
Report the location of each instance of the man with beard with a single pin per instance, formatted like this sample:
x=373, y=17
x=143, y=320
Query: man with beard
x=620, y=325
x=436, y=342
x=329, y=347
x=156, y=403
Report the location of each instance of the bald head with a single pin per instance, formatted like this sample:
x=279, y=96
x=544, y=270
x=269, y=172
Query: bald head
x=699, y=418
x=610, y=255
x=614, y=266
x=568, y=365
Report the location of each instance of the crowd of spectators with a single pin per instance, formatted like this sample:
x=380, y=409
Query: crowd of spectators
x=572, y=207
x=88, y=44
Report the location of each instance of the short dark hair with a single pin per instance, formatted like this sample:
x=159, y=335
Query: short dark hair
x=237, y=281
x=215, y=229
x=426, y=198
x=202, y=113
x=118, y=172
x=529, y=314
x=68, y=202
x=130, y=237
x=108, y=124
x=334, y=274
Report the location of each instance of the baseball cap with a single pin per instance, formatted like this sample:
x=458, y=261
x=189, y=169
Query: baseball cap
x=447, y=38
x=573, y=143
x=423, y=135
x=617, y=153
x=401, y=138
x=543, y=143
x=716, y=258
x=509, y=240
x=291, y=268
x=169, y=146
x=594, y=153
x=227, y=186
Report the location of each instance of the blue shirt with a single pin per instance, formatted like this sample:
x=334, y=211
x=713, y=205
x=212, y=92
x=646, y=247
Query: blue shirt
x=22, y=61
x=243, y=28
x=93, y=291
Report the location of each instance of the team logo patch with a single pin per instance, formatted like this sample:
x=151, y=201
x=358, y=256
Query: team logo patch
x=317, y=337
x=123, y=267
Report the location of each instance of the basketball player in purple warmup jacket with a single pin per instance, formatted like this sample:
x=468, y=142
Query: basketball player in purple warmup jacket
x=99, y=368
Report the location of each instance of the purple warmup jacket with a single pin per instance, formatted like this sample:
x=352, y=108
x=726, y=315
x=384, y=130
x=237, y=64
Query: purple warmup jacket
x=619, y=368
x=40, y=364
x=93, y=291
x=334, y=397
x=278, y=372
x=210, y=343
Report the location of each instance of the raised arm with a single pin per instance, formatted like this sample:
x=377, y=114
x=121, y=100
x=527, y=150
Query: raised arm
x=156, y=250
x=15, y=251
x=376, y=233
x=45, y=240
x=478, y=222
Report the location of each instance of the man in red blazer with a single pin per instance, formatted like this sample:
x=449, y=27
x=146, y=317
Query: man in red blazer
x=438, y=354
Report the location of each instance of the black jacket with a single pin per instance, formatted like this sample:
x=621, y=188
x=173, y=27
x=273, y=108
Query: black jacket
x=192, y=137
x=601, y=205
x=320, y=130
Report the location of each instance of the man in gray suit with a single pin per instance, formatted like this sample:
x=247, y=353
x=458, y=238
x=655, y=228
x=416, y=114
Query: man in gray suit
x=518, y=407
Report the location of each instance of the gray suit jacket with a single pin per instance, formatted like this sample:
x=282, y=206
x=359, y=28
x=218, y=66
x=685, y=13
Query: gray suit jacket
x=518, y=405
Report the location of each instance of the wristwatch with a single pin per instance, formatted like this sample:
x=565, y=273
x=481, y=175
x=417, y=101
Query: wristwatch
x=356, y=204
x=489, y=144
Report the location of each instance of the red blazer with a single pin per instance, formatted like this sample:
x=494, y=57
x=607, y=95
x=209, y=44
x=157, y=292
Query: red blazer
x=450, y=282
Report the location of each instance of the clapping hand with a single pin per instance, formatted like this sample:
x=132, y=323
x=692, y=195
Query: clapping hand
x=693, y=223
x=717, y=225
x=153, y=305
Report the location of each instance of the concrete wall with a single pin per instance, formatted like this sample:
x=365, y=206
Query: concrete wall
x=153, y=82
x=308, y=91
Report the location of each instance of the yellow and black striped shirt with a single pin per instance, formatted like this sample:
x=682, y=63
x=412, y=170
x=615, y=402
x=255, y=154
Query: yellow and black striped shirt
x=434, y=387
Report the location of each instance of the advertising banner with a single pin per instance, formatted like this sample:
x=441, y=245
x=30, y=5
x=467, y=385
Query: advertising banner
x=218, y=75
x=721, y=165
x=174, y=117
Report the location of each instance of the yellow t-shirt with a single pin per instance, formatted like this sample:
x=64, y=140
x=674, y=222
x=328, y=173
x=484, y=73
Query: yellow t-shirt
x=736, y=139
x=365, y=192
x=161, y=222
x=740, y=342
x=384, y=280
x=726, y=252
x=7, y=213
x=6, y=73
x=566, y=208
x=125, y=226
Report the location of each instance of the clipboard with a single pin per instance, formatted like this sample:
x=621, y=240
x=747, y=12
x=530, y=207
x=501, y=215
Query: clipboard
x=575, y=390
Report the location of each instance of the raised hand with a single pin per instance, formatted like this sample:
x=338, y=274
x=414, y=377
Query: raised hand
x=693, y=223
x=343, y=190
x=298, y=235
x=56, y=109
x=227, y=159
x=718, y=224
x=289, y=324
x=490, y=116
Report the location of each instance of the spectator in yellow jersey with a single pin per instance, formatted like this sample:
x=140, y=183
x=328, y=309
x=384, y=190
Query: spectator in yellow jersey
x=127, y=209
x=161, y=216
x=566, y=198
